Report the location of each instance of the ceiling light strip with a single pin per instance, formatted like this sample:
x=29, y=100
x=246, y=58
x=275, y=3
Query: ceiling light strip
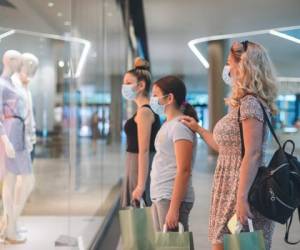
x=284, y=36
x=6, y=34
x=289, y=79
x=192, y=44
x=84, y=53
x=199, y=55
x=83, y=58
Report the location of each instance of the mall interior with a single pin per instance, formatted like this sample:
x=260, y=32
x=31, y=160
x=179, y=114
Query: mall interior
x=83, y=49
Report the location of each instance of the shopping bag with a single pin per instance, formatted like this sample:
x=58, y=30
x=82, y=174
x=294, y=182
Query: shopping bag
x=137, y=230
x=253, y=240
x=174, y=240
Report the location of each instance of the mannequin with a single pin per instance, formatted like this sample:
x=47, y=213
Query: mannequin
x=18, y=179
x=22, y=79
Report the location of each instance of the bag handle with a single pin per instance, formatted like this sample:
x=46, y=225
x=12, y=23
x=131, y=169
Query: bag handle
x=266, y=117
x=142, y=203
x=250, y=224
x=293, y=145
x=180, y=228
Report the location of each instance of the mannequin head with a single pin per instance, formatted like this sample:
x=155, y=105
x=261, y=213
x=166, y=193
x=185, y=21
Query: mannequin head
x=29, y=67
x=11, y=62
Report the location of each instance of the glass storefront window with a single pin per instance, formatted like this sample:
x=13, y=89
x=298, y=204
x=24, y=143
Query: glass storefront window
x=286, y=116
x=76, y=166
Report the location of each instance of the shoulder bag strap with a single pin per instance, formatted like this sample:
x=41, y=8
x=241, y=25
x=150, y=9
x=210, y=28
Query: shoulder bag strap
x=287, y=230
x=266, y=117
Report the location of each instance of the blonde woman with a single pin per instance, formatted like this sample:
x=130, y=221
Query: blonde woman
x=249, y=71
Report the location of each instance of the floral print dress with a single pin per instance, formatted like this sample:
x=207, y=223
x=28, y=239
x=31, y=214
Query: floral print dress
x=226, y=178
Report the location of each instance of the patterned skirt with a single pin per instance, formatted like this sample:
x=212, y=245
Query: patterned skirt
x=223, y=202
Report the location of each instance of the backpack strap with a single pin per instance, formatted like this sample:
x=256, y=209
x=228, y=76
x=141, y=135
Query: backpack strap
x=241, y=132
x=287, y=230
x=267, y=120
x=269, y=124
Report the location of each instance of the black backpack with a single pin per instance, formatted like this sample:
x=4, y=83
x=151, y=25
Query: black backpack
x=275, y=192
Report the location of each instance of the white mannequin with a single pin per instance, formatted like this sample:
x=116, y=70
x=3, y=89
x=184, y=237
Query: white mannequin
x=16, y=187
x=28, y=70
x=11, y=64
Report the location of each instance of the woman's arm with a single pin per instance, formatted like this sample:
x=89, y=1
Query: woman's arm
x=253, y=134
x=205, y=134
x=144, y=120
x=184, y=154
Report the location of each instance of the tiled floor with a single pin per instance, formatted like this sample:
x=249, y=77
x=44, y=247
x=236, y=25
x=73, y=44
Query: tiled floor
x=199, y=218
x=43, y=231
x=69, y=199
x=202, y=180
x=79, y=191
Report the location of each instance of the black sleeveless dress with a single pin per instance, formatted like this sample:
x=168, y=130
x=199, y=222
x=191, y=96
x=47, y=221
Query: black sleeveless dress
x=131, y=174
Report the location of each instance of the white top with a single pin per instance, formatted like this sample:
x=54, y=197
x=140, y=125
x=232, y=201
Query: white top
x=164, y=165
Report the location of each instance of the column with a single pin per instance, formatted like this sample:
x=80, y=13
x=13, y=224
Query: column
x=115, y=110
x=216, y=86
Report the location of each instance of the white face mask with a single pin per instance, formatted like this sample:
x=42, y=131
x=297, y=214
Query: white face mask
x=156, y=106
x=226, y=75
x=128, y=92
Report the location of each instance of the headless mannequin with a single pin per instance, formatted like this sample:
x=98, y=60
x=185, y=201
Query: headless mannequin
x=17, y=185
x=11, y=64
x=28, y=70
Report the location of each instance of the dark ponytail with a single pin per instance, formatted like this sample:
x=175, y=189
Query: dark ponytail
x=174, y=85
x=189, y=110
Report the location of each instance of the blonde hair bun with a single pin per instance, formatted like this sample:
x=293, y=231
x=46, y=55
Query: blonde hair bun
x=140, y=63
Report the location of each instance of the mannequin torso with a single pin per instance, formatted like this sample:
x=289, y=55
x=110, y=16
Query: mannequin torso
x=13, y=112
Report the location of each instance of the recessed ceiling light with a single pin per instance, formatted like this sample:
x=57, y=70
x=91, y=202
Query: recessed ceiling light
x=59, y=14
x=67, y=23
x=61, y=63
x=50, y=4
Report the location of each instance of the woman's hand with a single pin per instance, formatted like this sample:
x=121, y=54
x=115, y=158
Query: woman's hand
x=137, y=194
x=190, y=122
x=204, y=134
x=172, y=219
x=243, y=211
